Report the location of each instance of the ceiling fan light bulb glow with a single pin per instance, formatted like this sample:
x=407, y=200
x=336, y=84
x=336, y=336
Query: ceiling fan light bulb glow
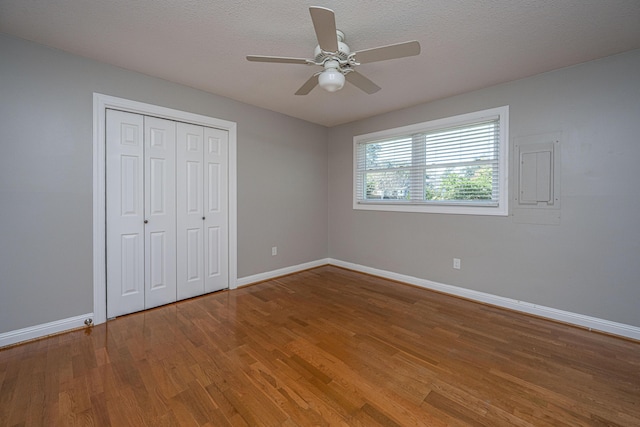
x=331, y=80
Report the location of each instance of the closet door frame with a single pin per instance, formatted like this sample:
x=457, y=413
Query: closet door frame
x=103, y=102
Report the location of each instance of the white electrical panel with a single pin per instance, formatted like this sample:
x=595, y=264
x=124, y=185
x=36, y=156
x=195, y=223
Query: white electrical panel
x=536, y=169
x=536, y=174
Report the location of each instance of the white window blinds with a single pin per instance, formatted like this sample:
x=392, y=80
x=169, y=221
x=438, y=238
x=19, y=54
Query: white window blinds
x=448, y=164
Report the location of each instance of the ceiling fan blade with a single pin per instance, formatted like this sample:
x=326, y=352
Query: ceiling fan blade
x=308, y=85
x=277, y=59
x=324, y=22
x=392, y=51
x=361, y=82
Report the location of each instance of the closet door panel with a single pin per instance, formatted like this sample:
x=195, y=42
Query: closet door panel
x=194, y=255
x=190, y=210
x=125, y=212
x=216, y=209
x=160, y=214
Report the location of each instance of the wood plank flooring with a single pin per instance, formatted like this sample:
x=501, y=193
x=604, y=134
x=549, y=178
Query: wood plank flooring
x=323, y=347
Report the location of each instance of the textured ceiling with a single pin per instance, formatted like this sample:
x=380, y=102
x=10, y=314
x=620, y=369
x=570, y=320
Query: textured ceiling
x=466, y=44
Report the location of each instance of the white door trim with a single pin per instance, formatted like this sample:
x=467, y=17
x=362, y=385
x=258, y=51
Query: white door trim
x=100, y=104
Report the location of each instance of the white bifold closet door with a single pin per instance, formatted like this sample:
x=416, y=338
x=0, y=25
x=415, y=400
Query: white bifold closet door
x=141, y=217
x=202, y=210
x=167, y=233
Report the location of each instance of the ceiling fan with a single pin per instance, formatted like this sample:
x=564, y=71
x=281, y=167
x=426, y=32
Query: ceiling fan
x=337, y=59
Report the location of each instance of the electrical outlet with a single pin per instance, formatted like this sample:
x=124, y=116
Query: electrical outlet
x=456, y=263
x=274, y=251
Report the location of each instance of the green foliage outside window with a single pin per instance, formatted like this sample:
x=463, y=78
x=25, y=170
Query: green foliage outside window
x=474, y=184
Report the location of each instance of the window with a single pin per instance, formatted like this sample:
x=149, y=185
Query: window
x=454, y=165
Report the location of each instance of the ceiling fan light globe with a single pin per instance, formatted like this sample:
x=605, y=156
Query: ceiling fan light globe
x=331, y=80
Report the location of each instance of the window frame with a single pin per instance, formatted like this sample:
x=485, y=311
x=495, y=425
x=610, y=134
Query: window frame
x=442, y=207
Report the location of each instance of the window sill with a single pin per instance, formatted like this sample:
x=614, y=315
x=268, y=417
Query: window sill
x=431, y=208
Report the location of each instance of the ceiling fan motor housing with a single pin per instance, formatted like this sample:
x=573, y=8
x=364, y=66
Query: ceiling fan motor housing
x=342, y=53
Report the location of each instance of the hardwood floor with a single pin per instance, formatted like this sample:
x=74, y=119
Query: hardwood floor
x=323, y=347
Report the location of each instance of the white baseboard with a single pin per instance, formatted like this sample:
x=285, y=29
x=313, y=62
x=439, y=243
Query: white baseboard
x=244, y=281
x=591, y=323
x=37, y=331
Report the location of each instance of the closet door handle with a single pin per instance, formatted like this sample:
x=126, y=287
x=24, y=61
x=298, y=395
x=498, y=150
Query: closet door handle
x=146, y=221
x=203, y=218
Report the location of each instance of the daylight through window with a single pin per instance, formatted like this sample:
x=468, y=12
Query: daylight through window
x=453, y=165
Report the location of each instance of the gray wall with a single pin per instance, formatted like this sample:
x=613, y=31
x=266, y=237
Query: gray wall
x=46, y=178
x=589, y=264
